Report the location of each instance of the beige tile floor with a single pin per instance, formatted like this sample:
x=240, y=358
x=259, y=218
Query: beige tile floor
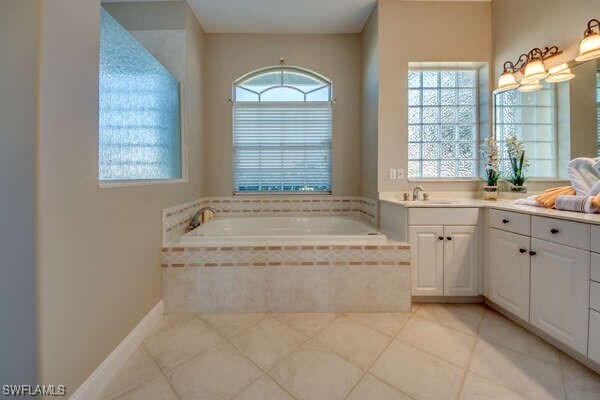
x=435, y=352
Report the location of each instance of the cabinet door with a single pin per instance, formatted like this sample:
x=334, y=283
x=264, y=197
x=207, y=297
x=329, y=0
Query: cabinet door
x=427, y=260
x=461, y=266
x=560, y=292
x=509, y=271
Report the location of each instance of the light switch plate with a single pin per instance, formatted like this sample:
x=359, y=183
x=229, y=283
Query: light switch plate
x=393, y=174
x=400, y=175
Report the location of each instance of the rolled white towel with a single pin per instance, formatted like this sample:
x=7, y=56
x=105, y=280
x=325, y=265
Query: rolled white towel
x=583, y=174
x=581, y=204
x=528, y=201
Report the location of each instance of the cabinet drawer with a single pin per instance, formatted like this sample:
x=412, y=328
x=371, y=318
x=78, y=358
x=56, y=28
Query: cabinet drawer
x=443, y=216
x=569, y=233
x=594, y=344
x=510, y=221
x=595, y=270
x=595, y=295
x=596, y=238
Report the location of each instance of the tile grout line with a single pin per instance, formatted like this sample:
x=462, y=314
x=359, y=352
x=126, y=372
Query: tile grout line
x=562, y=376
x=179, y=364
x=343, y=357
x=210, y=327
x=160, y=367
x=453, y=328
x=265, y=372
x=472, y=353
x=145, y=381
x=528, y=355
x=347, y=315
x=368, y=369
x=268, y=372
x=476, y=337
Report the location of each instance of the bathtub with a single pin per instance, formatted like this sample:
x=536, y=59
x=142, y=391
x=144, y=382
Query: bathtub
x=240, y=231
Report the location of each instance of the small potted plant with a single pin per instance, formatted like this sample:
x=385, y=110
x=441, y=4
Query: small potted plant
x=489, y=150
x=518, y=163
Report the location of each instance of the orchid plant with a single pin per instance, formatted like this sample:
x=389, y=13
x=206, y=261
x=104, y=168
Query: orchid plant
x=518, y=160
x=489, y=150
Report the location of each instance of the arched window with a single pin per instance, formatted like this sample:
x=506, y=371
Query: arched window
x=282, y=128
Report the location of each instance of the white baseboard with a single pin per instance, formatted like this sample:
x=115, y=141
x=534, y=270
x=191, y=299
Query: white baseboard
x=94, y=385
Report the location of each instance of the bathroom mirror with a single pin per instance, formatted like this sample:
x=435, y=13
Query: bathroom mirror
x=557, y=123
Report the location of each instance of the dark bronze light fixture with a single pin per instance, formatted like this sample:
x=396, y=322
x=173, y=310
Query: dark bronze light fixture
x=589, y=48
x=531, y=67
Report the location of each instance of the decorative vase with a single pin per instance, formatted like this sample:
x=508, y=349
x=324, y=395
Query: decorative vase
x=490, y=192
x=518, y=189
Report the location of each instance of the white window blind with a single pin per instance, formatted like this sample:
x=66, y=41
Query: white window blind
x=282, y=131
x=282, y=147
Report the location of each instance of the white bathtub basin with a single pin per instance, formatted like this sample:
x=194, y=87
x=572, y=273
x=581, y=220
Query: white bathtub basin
x=239, y=231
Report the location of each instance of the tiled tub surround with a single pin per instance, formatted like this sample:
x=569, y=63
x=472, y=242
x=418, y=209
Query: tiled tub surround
x=175, y=219
x=287, y=278
x=284, y=277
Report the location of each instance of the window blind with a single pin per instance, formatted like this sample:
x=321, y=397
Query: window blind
x=282, y=147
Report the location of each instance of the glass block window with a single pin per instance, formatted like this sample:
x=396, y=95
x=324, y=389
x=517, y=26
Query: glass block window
x=139, y=110
x=442, y=124
x=531, y=117
x=282, y=128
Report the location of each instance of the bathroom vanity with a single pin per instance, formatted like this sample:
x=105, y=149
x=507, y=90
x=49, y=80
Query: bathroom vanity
x=539, y=267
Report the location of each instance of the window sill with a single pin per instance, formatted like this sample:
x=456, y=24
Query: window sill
x=282, y=193
x=443, y=180
x=134, y=183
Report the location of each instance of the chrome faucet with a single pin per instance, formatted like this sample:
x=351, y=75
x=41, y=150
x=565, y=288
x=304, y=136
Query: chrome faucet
x=200, y=217
x=415, y=192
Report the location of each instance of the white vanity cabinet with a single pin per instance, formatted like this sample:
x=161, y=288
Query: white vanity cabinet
x=444, y=251
x=539, y=270
x=461, y=266
x=594, y=332
x=427, y=259
x=509, y=271
x=559, y=292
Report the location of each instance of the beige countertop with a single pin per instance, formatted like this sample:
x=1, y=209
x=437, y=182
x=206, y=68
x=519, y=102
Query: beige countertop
x=450, y=201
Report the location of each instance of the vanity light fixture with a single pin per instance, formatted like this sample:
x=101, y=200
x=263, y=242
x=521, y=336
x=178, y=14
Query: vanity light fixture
x=560, y=73
x=531, y=86
x=531, y=67
x=507, y=81
x=534, y=71
x=589, y=48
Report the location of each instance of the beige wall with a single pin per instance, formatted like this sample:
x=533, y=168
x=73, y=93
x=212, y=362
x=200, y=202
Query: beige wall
x=228, y=56
x=519, y=26
x=370, y=105
x=19, y=31
x=413, y=32
x=99, y=249
x=584, y=109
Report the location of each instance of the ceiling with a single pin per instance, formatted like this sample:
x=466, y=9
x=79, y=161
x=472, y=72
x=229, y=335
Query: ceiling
x=282, y=16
